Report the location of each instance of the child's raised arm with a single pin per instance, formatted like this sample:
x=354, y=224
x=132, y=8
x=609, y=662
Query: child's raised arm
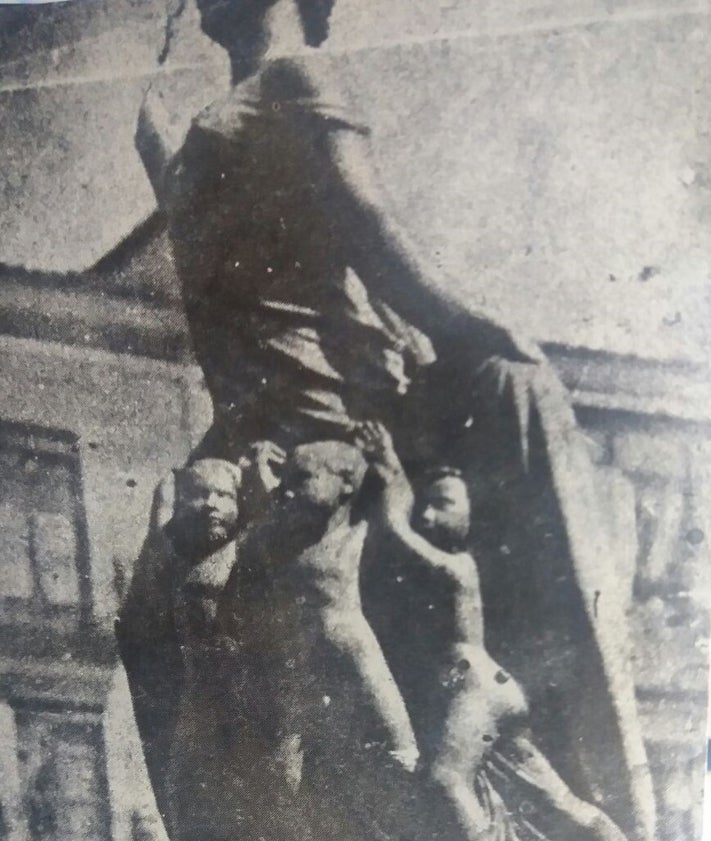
x=397, y=500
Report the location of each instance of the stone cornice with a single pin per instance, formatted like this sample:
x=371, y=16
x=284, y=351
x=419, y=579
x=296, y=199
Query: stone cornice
x=129, y=304
x=666, y=389
x=79, y=316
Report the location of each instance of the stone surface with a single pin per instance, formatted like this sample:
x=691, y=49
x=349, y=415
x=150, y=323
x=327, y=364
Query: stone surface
x=550, y=157
x=135, y=419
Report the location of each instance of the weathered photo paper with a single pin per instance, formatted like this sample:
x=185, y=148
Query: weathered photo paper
x=354, y=416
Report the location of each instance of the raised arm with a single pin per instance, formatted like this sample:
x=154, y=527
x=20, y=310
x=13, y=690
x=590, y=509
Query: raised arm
x=261, y=465
x=397, y=501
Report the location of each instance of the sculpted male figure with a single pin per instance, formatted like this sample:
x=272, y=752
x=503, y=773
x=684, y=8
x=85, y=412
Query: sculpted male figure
x=202, y=530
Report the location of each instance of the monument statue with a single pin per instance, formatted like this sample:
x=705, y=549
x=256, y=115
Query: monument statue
x=300, y=714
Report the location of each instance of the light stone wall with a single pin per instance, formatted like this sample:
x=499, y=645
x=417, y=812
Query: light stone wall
x=669, y=465
x=552, y=158
x=134, y=418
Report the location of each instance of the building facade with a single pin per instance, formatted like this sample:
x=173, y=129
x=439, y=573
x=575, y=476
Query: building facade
x=100, y=399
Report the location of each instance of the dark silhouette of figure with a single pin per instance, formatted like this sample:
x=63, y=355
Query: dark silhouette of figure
x=309, y=312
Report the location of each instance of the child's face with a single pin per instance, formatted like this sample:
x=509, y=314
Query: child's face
x=442, y=513
x=320, y=477
x=207, y=504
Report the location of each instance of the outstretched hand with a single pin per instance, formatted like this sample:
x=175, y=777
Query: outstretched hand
x=262, y=466
x=377, y=446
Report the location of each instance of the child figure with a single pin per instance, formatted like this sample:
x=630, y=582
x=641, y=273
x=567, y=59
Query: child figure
x=486, y=709
x=306, y=581
x=166, y=627
x=202, y=533
x=314, y=705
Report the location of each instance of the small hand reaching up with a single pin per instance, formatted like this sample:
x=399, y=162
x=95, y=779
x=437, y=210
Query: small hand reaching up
x=262, y=464
x=268, y=459
x=377, y=445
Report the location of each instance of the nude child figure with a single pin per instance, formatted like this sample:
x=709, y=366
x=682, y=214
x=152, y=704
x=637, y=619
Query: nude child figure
x=487, y=709
x=308, y=574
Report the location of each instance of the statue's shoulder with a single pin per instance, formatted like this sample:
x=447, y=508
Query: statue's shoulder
x=167, y=112
x=281, y=88
x=227, y=113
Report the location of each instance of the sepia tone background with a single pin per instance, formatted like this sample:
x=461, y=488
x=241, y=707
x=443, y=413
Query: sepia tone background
x=554, y=161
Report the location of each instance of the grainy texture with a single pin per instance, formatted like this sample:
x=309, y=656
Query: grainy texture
x=545, y=163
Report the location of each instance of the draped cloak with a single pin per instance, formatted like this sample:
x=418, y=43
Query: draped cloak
x=308, y=311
